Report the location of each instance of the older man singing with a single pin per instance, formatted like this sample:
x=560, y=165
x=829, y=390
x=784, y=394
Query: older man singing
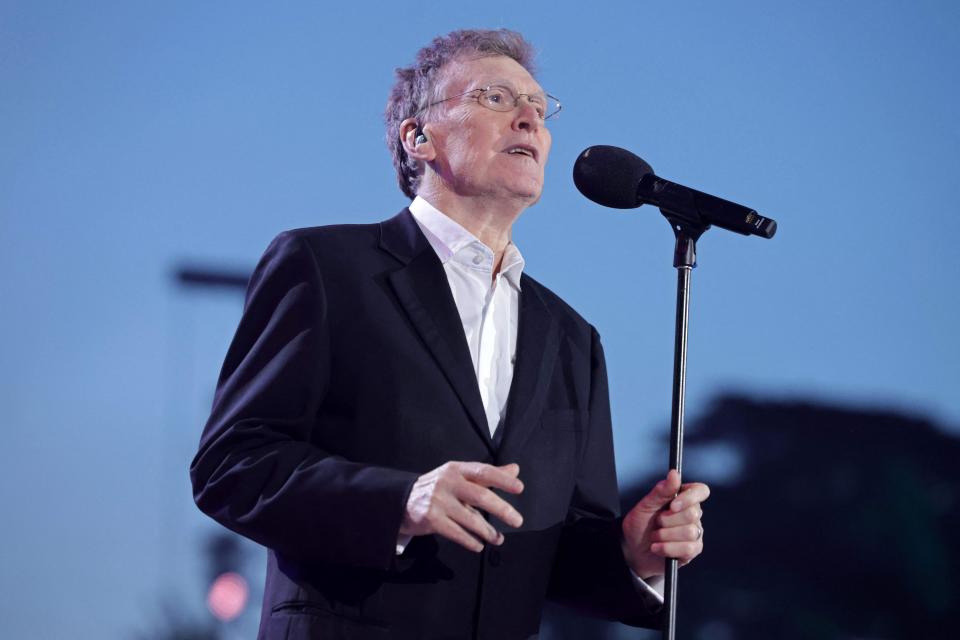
x=417, y=430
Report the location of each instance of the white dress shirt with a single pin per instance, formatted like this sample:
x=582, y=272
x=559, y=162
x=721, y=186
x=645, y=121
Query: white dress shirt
x=488, y=304
x=489, y=307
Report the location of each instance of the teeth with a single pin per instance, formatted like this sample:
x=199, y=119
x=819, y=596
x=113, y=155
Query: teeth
x=523, y=151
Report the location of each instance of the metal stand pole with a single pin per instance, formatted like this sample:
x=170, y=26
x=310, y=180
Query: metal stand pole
x=684, y=259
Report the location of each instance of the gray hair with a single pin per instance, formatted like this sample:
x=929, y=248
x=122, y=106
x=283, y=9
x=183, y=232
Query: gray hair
x=415, y=85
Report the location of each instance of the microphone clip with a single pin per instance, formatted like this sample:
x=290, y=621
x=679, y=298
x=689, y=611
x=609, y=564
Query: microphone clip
x=687, y=229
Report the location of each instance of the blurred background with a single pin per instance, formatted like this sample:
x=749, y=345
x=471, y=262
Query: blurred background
x=149, y=151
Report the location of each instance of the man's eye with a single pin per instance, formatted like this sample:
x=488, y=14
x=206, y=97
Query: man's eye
x=495, y=97
x=540, y=104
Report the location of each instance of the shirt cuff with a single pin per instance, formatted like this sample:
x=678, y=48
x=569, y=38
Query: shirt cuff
x=650, y=589
x=404, y=540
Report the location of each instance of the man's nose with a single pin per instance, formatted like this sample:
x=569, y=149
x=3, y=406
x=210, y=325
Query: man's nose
x=526, y=118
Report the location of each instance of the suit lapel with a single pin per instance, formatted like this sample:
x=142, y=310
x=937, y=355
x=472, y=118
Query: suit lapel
x=537, y=345
x=423, y=291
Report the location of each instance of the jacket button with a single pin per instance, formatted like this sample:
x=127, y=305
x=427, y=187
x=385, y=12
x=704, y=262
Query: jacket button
x=493, y=558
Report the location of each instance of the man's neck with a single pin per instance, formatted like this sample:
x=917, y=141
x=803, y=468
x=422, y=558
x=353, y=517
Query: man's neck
x=491, y=221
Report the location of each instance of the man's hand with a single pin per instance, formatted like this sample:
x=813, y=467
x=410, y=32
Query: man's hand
x=446, y=500
x=652, y=533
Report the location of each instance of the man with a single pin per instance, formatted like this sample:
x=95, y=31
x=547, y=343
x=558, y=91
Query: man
x=417, y=431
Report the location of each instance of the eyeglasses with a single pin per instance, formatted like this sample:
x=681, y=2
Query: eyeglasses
x=502, y=99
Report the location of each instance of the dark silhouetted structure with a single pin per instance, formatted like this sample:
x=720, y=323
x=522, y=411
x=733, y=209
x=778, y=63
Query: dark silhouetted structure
x=839, y=523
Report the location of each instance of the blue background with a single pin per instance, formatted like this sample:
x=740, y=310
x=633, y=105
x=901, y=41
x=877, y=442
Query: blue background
x=135, y=136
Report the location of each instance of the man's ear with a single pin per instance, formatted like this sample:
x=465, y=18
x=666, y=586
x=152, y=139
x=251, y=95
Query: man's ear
x=416, y=141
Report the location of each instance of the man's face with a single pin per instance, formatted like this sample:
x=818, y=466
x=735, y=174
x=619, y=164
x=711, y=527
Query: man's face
x=476, y=147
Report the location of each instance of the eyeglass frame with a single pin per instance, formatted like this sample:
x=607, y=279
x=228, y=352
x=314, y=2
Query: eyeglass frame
x=516, y=100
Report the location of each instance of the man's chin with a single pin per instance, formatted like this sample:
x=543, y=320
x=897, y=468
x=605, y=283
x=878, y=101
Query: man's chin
x=522, y=193
x=529, y=193
x=525, y=198
x=534, y=198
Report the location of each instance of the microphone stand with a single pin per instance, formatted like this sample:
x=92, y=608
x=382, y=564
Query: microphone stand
x=687, y=230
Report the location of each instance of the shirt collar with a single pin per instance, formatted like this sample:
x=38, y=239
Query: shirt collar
x=451, y=241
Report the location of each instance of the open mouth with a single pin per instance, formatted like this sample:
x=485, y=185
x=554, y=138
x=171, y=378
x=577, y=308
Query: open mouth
x=523, y=150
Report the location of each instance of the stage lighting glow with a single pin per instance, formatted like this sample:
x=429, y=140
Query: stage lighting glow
x=228, y=596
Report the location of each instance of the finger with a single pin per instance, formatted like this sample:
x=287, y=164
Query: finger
x=453, y=531
x=691, y=515
x=673, y=479
x=683, y=533
x=662, y=493
x=683, y=551
x=513, y=469
x=485, y=499
x=473, y=522
x=692, y=493
x=490, y=476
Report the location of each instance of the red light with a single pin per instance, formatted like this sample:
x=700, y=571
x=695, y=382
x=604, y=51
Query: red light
x=227, y=596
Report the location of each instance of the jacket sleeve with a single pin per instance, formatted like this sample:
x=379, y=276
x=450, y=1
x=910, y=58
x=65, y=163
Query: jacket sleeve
x=590, y=573
x=257, y=470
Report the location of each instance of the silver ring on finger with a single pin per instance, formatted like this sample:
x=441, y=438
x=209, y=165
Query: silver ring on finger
x=699, y=533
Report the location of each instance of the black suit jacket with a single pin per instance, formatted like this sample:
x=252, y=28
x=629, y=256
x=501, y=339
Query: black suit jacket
x=348, y=377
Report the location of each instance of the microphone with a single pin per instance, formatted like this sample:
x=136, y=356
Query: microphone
x=614, y=177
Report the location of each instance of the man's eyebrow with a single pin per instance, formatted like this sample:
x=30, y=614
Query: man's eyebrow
x=500, y=82
x=509, y=85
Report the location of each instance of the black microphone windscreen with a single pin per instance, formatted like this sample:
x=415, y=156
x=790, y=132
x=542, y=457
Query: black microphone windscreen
x=610, y=176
